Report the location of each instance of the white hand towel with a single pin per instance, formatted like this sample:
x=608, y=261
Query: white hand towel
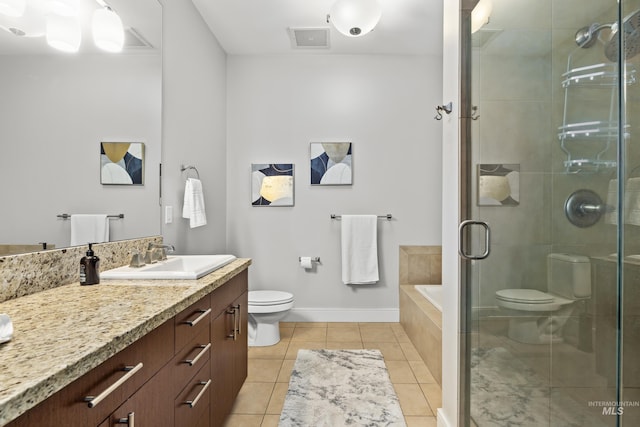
x=193, y=208
x=89, y=229
x=359, y=249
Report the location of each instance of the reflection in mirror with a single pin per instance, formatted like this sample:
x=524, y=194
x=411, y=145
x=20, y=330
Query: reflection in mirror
x=57, y=109
x=498, y=185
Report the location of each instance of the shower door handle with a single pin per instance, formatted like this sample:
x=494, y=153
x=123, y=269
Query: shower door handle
x=487, y=239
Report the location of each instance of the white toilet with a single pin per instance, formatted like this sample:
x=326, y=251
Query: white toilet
x=266, y=310
x=538, y=317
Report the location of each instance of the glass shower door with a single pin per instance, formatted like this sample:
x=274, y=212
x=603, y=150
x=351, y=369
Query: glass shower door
x=550, y=325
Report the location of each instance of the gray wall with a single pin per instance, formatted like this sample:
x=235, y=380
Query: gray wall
x=194, y=126
x=277, y=105
x=56, y=111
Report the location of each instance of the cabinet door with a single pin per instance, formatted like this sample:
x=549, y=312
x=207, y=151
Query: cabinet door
x=240, y=347
x=222, y=391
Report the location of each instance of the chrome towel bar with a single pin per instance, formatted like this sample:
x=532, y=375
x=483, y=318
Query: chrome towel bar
x=68, y=216
x=387, y=216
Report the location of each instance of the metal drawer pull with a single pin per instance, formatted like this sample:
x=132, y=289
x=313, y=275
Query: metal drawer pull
x=234, y=329
x=193, y=361
x=194, y=402
x=199, y=318
x=237, y=307
x=130, y=420
x=93, y=401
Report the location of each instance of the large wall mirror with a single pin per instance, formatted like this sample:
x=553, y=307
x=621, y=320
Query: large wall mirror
x=57, y=109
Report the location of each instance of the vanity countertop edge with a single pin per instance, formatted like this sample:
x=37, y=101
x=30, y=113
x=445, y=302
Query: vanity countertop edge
x=62, y=333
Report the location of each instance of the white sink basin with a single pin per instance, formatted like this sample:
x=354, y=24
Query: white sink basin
x=175, y=267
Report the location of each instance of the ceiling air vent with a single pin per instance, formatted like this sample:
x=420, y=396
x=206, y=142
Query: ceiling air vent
x=309, y=38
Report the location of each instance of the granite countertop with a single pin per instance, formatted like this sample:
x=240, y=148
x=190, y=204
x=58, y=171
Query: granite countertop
x=62, y=333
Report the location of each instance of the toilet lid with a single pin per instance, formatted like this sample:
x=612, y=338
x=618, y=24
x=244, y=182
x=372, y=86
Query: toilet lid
x=529, y=296
x=269, y=297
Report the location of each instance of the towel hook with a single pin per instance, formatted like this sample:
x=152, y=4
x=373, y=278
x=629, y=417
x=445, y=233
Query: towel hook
x=184, y=168
x=447, y=108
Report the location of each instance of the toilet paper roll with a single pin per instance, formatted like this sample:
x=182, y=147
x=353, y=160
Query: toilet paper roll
x=305, y=262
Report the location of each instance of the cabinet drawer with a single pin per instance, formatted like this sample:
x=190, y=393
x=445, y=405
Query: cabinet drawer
x=192, y=321
x=189, y=361
x=108, y=381
x=231, y=290
x=148, y=407
x=192, y=404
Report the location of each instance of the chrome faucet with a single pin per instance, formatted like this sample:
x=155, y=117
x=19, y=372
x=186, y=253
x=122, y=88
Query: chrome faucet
x=157, y=252
x=137, y=259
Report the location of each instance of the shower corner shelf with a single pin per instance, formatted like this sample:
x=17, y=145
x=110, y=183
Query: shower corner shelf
x=588, y=165
x=595, y=136
x=597, y=75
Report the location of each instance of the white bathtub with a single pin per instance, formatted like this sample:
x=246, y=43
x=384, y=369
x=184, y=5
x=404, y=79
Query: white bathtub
x=433, y=294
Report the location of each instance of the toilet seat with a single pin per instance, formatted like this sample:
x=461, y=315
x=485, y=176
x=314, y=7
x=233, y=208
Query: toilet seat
x=529, y=296
x=266, y=298
x=529, y=300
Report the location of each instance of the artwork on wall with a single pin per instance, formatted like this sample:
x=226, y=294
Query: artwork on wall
x=498, y=185
x=272, y=184
x=331, y=163
x=122, y=163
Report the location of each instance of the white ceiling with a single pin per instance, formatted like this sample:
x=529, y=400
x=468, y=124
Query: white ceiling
x=254, y=27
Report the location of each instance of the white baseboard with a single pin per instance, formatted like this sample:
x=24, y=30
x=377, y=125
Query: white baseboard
x=343, y=315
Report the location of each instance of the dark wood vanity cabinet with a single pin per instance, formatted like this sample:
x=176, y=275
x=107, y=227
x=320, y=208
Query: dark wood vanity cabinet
x=186, y=373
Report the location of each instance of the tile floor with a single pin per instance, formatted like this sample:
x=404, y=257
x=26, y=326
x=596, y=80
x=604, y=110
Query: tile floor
x=260, y=401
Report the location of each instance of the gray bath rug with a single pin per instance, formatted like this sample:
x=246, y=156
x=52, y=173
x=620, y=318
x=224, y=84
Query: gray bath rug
x=334, y=388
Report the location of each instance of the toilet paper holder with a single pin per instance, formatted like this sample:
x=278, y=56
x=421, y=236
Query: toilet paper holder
x=313, y=259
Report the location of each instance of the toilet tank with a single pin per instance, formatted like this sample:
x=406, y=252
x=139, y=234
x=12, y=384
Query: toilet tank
x=569, y=276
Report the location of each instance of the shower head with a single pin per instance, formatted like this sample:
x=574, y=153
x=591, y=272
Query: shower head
x=586, y=37
x=630, y=35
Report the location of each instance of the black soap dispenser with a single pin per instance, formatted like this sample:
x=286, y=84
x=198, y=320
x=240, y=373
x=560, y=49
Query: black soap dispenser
x=90, y=268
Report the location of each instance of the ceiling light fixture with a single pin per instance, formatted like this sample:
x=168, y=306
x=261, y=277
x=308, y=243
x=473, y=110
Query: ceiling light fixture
x=108, y=33
x=13, y=8
x=63, y=7
x=60, y=22
x=355, y=18
x=63, y=33
x=480, y=15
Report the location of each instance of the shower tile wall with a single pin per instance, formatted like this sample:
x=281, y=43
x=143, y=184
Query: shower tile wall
x=517, y=77
x=511, y=77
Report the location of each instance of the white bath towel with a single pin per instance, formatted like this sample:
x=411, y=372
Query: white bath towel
x=359, y=249
x=193, y=208
x=89, y=228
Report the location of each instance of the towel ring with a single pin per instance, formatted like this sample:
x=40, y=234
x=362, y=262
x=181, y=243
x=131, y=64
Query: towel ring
x=184, y=168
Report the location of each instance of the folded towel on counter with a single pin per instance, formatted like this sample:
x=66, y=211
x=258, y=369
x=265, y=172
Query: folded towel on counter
x=193, y=208
x=87, y=228
x=6, y=328
x=359, y=249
